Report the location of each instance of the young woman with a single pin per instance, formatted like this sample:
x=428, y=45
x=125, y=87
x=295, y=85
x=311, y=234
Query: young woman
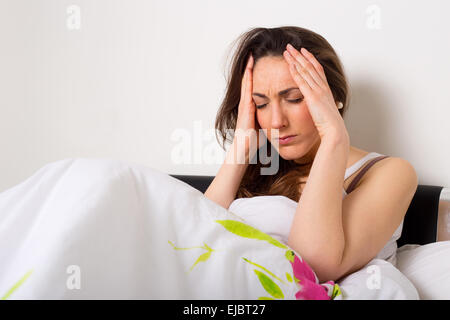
x=338, y=206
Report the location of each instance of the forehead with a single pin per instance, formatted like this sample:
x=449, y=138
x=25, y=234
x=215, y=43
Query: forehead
x=271, y=75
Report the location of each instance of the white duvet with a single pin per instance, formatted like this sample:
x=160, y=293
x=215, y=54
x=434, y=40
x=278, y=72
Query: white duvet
x=106, y=229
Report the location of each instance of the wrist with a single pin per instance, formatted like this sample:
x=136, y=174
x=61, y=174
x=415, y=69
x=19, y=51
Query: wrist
x=336, y=146
x=236, y=155
x=336, y=139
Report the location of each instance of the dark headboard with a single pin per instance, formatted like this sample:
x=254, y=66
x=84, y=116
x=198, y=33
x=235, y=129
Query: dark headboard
x=419, y=226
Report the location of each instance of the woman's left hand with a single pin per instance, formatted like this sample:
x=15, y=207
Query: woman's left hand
x=310, y=77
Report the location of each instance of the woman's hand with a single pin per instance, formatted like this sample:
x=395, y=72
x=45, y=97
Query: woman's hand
x=246, y=120
x=310, y=77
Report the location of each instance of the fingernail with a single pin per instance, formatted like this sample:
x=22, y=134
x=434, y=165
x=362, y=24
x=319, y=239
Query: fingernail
x=289, y=46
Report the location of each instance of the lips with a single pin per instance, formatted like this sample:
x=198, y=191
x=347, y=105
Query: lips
x=284, y=137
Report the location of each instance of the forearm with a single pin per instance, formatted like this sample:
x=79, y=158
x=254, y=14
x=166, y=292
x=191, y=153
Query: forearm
x=317, y=232
x=224, y=187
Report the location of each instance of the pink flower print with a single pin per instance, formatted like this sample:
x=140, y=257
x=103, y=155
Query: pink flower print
x=310, y=289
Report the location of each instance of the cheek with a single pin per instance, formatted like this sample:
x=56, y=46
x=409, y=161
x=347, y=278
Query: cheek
x=301, y=113
x=262, y=122
x=301, y=118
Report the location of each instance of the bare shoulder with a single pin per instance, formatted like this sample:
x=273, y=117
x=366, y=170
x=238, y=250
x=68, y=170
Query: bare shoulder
x=392, y=169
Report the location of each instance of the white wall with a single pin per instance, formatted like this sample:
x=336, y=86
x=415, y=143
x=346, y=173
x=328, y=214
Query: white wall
x=135, y=72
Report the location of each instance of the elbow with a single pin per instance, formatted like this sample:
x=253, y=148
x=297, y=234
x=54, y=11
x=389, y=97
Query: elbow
x=328, y=272
x=325, y=266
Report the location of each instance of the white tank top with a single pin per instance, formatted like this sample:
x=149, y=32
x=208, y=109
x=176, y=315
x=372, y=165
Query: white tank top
x=274, y=214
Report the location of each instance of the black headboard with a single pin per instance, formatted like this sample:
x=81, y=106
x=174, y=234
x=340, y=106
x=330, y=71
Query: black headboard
x=421, y=219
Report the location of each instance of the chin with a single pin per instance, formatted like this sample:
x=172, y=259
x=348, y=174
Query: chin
x=291, y=152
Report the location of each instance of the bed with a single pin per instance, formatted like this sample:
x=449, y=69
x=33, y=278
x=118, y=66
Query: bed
x=96, y=228
x=423, y=253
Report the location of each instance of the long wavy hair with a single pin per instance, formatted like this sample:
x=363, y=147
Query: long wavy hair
x=263, y=42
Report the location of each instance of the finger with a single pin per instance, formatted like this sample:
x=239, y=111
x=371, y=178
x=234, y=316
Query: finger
x=315, y=63
x=299, y=80
x=301, y=71
x=244, y=84
x=250, y=61
x=249, y=87
x=305, y=63
x=247, y=71
x=308, y=66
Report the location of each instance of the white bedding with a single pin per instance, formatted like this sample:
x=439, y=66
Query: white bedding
x=428, y=268
x=378, y=280
x=421, y=273
x=106, y=229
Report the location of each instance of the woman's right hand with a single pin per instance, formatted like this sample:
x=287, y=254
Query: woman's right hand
x=246, y=124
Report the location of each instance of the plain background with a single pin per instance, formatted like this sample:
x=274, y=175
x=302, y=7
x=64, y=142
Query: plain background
x=122, y=79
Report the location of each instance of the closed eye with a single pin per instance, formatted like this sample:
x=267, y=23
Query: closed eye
x=291, y=101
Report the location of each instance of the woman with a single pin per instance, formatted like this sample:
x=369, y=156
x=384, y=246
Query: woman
x=288, y=81
x=102, y=228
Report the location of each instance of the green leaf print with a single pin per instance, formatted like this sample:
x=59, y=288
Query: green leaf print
x=273, y=275
x=290, y=255
x=202, y=258
x=336, y=291
x=246, y=231
x=17, y=285
x=265, y=298
x=177, y=248
x=271, y=287
x=288, y=277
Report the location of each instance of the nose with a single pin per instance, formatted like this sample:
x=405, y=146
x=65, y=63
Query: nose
x=278, y=117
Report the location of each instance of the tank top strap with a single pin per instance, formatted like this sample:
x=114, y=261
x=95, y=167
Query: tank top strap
x=358, y=164
x=363, y=171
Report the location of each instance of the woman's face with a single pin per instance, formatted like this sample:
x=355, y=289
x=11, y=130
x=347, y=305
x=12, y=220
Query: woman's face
x=285, y=111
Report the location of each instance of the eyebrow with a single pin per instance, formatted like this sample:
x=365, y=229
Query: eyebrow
x=281, y=93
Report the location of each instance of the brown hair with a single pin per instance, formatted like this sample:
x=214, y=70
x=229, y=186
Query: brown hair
x=263, y=42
